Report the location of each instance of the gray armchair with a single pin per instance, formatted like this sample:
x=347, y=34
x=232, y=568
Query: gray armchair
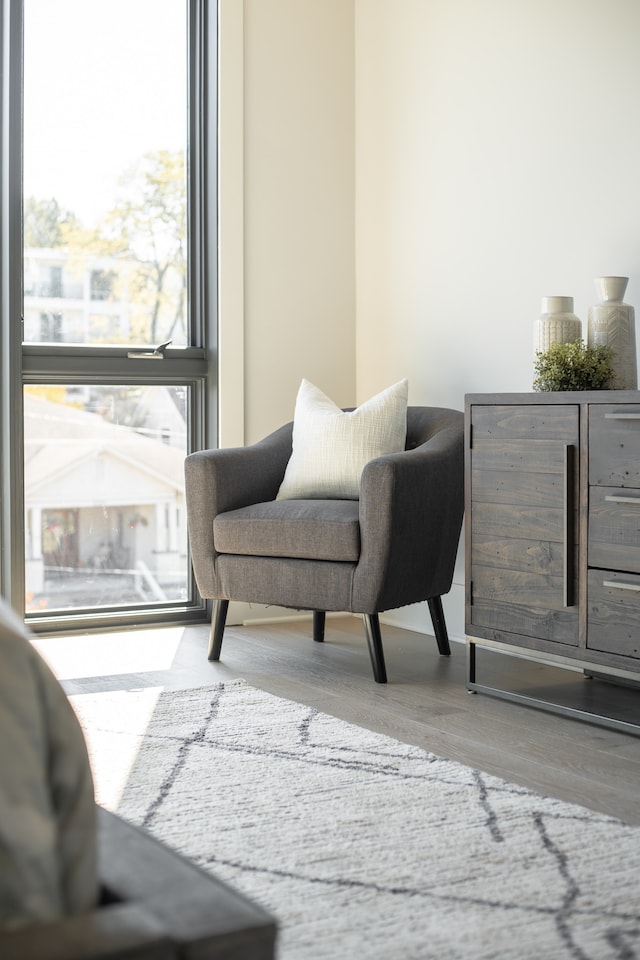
x=394, y=546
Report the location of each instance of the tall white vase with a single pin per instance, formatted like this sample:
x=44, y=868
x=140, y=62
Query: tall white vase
x=556, y=324
x=612, y=322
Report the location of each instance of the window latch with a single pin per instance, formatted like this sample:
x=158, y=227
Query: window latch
x=156, y=354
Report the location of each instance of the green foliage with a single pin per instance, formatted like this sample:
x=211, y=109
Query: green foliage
x=574, y=366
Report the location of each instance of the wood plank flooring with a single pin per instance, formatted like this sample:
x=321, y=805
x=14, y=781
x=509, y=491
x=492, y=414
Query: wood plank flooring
x=425, y=701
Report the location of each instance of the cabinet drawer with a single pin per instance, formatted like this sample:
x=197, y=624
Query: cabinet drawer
x=614, y=444
x=613, y=613
x=614, y=528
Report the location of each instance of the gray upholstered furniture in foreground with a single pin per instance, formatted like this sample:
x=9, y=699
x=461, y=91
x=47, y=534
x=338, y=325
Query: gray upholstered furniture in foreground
x=155, y=905
x=394, y=546
x=77, y=882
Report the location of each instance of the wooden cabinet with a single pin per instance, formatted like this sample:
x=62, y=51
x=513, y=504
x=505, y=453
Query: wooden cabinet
x=552, y=529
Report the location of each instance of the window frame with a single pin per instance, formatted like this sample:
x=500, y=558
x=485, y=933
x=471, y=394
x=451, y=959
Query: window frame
x=35, y=363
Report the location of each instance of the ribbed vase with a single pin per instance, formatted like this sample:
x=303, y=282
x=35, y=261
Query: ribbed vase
x=612, y=322
x=556, y=324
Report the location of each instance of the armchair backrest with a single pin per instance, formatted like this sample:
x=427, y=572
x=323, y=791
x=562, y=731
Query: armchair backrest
x=424, y=422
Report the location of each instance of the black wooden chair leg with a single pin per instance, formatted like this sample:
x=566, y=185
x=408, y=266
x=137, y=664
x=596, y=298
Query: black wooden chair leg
x=319, y=617
x=374, y=641
x=218, y=621
x=439, y=625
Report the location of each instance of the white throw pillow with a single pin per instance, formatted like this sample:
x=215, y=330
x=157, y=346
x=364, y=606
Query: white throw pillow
x=331, y=446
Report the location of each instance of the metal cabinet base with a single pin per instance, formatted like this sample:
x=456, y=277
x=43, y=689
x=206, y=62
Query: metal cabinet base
x=601, y=719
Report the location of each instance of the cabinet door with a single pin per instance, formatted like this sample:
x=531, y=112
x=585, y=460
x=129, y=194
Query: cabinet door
x=522, y=499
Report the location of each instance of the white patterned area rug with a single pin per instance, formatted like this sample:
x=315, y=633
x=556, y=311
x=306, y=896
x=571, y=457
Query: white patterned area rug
x=362, y=846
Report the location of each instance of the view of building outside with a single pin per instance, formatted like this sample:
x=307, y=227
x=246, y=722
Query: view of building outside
x=105, y=263
x=104, y=496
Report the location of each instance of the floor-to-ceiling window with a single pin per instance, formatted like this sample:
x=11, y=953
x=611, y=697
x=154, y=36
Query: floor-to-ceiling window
x=108, y=303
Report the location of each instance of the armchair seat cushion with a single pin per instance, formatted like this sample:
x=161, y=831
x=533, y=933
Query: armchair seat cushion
x=300, y=529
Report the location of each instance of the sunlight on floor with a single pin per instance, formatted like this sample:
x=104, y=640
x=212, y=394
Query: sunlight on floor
x=114, y=726
x=106, y=654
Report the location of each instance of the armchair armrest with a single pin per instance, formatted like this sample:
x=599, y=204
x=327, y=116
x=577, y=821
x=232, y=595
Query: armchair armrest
x=411, y=509
x=227, y=479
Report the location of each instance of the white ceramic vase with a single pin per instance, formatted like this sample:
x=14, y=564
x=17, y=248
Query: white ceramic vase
x=612, y=322
x=556, y=324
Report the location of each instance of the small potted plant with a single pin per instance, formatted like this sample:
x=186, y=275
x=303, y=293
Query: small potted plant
x=574, y=366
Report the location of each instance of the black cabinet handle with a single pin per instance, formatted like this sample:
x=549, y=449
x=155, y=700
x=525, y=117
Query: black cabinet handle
x=569, y=522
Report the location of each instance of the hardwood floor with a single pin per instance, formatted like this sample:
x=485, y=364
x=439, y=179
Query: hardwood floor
x=425, y=701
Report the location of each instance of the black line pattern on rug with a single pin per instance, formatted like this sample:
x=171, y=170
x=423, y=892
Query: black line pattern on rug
x=185, y=746
x=314, y=714
x=561, y=913
x=566, y=908
x=304, y=728
x=500, y=786
x=621, y=941
x=365, y=766
x=492, y=818
x=209, y=862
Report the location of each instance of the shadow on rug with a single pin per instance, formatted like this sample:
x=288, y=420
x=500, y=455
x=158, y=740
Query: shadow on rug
x=360, y=845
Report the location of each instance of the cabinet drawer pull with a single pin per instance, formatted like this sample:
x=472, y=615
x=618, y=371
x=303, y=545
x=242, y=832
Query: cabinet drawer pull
x=612, y=498
x=621, y=586
x=569, y=537
x=622, y=416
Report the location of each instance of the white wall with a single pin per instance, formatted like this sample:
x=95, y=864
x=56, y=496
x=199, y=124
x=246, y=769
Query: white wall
x=498, y=157
x=299, y=241
x=492, y=154
x=497, y=162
